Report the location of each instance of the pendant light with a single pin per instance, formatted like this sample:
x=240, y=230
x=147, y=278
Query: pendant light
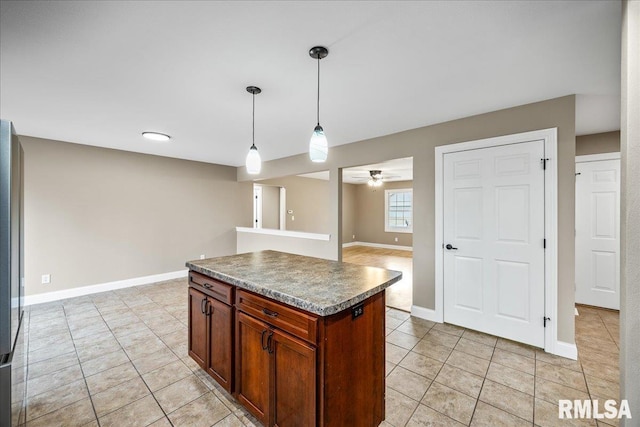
x=253, y=163
x=318, y=147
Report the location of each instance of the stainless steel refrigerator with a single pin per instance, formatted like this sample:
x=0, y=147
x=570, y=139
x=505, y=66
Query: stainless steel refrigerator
x=12, y=340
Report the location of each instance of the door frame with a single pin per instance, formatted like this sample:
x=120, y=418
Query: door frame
x=550, y=138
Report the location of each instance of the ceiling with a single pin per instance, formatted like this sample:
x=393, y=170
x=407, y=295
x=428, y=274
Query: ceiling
x=100, y=73
x=392, y=170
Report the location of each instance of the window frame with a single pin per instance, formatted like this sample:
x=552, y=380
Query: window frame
x=387, y=227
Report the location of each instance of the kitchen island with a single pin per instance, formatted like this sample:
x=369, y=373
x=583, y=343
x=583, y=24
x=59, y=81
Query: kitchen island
x=298, y=341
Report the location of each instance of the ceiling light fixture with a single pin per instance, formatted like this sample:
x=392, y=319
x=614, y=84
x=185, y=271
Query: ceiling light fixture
x=318, y=147
x=156, y=136
x=253, y=163
x=376, y=178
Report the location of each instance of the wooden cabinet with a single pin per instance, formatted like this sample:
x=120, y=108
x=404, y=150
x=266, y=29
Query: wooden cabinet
x=252, y=365
x=289, y=367
x=197, y=327
x=211, y=325
x=293, y=381
x=276, y=374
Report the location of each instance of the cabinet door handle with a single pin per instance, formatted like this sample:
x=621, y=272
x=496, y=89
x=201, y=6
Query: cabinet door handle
x=208, y=307
x=269, y=312
x=202, y=305
x=262, y=344
x=270, y=343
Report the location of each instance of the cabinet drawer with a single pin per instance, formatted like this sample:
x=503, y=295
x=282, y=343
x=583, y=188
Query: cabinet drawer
x=288, y=319
x=212, y=287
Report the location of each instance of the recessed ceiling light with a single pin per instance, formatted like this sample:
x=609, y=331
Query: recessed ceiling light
x=155, y=136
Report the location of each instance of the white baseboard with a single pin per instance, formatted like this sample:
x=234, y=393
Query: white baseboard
x=102, y=287
x=348, y=245
x=378, y=245
x=565, y=349
x=425, y=313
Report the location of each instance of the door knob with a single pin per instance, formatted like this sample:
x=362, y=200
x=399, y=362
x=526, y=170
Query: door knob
x=450, y=247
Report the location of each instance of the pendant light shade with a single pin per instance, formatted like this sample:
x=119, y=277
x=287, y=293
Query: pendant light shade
x=318, y=147
x=253, y=162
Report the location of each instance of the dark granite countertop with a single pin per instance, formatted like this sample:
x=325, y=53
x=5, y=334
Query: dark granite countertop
x=315, y=285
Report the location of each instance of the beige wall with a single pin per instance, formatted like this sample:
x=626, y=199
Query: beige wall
x=349, y=212
x=270, y=207
x=308, y=198
x=606, y=142
x=95, y=215
x=630, y=212
x=419, y=144
x=369, y=222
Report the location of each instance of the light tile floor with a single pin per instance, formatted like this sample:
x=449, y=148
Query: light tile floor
x=120, y=359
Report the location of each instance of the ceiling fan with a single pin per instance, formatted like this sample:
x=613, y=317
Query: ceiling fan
x=375, y=178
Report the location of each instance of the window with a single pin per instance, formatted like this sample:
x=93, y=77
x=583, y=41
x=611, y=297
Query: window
x=398, y=210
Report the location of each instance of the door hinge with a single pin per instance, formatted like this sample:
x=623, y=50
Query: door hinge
x=544, y=163
x=544, y=321
x=544, y=243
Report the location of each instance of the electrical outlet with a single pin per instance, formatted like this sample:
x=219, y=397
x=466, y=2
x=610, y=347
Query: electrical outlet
x=293, y=218
x=396, y=239
x=46, y=279
x=353, y=236
x=202, y=256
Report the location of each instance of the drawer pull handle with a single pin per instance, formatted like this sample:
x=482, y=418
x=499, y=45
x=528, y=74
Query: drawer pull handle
x=269, y=312
x=208, y=286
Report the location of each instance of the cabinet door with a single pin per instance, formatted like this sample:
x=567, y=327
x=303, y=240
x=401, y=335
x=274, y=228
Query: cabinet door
x=252, y=366
x=220, y=343
x=293, y=381
x=197, y=327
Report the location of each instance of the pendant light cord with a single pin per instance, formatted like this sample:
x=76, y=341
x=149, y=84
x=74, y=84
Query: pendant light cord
x=318, y=103
x=253, y=122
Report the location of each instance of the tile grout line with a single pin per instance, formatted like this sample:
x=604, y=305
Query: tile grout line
x=136, y=369
x=84, y=378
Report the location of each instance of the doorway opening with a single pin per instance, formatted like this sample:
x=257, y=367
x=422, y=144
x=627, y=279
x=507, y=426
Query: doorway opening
x=377, y=222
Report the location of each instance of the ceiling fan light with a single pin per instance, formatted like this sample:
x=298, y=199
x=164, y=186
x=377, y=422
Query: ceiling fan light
x=318, y=147
x=253, y=163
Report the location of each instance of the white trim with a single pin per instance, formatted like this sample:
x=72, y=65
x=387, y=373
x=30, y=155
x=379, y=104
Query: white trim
x=598, y=157
x=257, y=206
x=550, y=137
x=425, y=313
x=285, y=233
x=348, y=245
x=378, y=245
x=565, y=349
x=387, y=227
x=102, y=287
x=283, y=209
x=551, y=236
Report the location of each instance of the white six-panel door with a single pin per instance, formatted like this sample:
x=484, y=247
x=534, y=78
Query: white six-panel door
x=493, y=210
x=598, y=233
